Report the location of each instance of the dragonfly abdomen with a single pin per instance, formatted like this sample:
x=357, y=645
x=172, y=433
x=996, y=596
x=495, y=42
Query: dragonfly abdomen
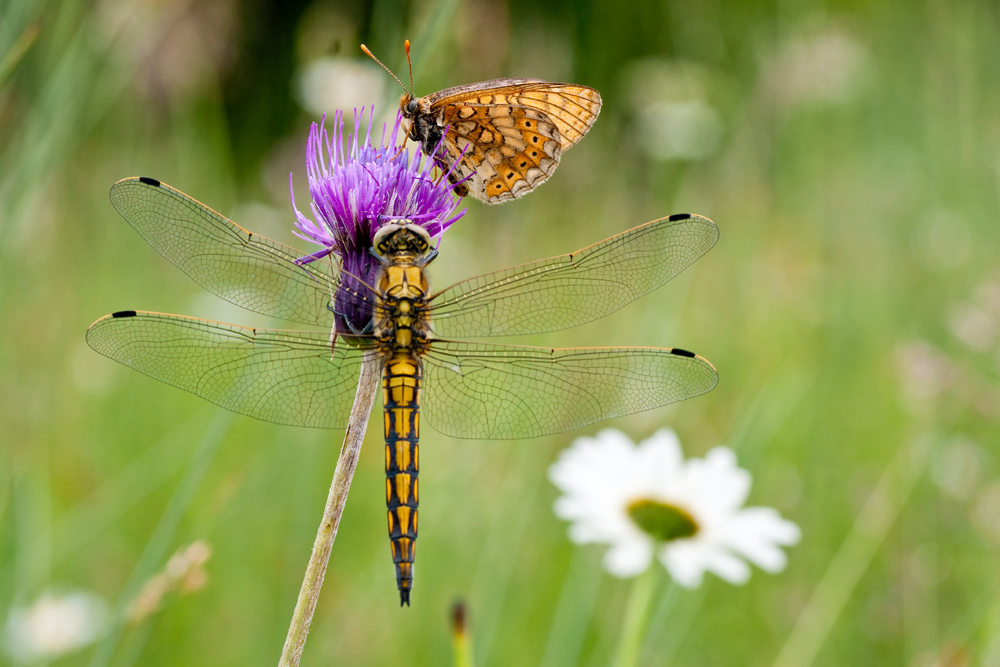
x=401, y=398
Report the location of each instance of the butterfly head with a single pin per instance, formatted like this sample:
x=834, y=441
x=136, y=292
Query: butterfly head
x=409, y=104
x=414, y=109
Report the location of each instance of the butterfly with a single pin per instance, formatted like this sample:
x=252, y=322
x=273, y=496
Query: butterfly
x=498, y=140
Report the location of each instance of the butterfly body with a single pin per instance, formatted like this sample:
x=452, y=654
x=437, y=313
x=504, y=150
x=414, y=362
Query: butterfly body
x=504, y=137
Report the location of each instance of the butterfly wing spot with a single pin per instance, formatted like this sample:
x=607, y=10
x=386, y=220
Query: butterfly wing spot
x=528, y=156
x=519, y=174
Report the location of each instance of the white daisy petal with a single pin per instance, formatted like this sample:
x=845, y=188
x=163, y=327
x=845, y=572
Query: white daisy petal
x=718, y=473
x=727, y=566
x=660, y=460
x=627, y=558
x=756, y=534
x=767, y=557
x=685, y=563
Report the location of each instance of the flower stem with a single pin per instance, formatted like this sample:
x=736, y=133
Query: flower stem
x=309, y=594
x=636, y=619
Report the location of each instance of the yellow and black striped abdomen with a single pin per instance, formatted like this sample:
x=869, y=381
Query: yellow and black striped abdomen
x=401, y=397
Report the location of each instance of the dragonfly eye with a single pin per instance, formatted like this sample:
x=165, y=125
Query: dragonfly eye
x=379, y=243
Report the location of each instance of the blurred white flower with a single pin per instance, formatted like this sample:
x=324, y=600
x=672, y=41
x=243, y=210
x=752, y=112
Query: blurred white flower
x=680, y=130
x=327, y=84
x=674, y=119
x=958, y=467
x=973, y=326
x=54, y=625
x=824, y=66
x=646, y=499
x=985, y=512
x=925, y=372
x=977, y=323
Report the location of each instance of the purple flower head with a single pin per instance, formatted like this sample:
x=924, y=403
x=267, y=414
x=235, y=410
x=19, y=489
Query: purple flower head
x=356, y=191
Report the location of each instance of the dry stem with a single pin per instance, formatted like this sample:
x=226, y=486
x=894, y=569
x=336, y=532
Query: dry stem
x=327, y=533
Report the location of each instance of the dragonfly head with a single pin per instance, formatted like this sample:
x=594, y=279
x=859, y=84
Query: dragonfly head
x=401, y=238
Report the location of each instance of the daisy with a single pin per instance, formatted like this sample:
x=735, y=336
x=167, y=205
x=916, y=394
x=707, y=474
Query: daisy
x=646, y=499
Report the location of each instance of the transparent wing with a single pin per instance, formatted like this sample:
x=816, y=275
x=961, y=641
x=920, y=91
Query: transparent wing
x=569, y=290
x=286, y=377
x=249, y=270
x=475, y=390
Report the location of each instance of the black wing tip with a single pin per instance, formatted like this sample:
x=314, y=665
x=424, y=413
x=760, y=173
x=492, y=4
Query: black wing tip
x=149, y=181
x=682, y=353
x=679, y=216
x=124, y=313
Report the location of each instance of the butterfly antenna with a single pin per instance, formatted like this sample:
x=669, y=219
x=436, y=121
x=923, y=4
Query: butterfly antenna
x=372, y=56
x=406, y=46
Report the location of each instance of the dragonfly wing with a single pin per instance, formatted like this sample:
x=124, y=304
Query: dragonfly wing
x=569, y=290
x=249, y=270
x=286, y=377
x=475, y=390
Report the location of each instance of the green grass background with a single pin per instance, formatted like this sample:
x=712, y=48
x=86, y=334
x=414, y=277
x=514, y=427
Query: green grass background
x=854, y=181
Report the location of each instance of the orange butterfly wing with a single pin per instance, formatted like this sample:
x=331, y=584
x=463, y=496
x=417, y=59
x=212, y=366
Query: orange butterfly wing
x=512, y=132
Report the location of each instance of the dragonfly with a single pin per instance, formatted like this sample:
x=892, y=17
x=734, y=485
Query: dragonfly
x=470, y=390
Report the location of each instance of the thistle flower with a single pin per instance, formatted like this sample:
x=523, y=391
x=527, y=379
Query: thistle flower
x=357, y=189
x=645, y=500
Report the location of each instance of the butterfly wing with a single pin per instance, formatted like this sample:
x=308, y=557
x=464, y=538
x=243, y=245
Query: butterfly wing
x=571, y=107
x=506, y=136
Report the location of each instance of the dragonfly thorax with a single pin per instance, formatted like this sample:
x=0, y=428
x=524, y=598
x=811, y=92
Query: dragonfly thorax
x=401, y=319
